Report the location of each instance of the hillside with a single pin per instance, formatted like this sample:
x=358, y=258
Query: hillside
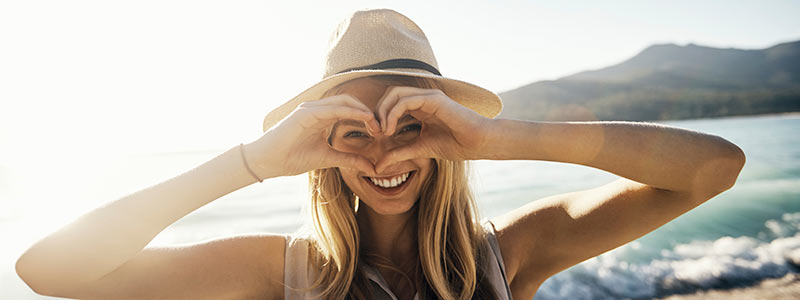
x=668, y=82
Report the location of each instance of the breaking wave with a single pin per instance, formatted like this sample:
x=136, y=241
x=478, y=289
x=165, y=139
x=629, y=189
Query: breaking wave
x=723, y=263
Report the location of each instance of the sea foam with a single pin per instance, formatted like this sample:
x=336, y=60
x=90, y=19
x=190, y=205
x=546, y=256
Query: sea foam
x=726, y=262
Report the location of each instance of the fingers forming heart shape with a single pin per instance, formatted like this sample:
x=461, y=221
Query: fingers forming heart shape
x=448, y=130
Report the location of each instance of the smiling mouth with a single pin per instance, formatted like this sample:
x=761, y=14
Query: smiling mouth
x=390, y=185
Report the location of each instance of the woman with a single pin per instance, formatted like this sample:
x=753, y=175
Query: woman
x=385, y=138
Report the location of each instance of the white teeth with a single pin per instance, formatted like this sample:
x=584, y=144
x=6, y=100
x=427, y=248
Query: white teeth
x=386, y=183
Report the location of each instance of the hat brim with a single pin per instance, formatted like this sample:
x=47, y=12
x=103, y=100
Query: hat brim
x=480, y=100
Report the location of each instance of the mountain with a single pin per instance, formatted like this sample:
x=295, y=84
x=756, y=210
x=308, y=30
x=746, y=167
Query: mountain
x=668, y=81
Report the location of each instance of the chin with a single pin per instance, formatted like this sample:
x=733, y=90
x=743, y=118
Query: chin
x=387, y=207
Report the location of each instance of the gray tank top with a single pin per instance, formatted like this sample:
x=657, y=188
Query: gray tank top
x=298, y=274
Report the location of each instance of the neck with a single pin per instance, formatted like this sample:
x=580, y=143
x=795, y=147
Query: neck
x=393, y=237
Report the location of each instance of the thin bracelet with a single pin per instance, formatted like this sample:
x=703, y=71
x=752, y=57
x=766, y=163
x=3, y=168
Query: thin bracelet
x=241, y=148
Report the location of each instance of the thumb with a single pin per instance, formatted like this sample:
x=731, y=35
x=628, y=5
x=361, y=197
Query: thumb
x=399, y=154
x=349, y=161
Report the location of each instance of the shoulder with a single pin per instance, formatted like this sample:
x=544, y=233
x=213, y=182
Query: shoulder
x=521, y=234
x=270, y=247
x=241, y=266
x=302, y=266
x=263, y=252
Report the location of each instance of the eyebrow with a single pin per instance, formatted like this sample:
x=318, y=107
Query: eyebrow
x=360, y=124
x=350, y=123
x=406, y=118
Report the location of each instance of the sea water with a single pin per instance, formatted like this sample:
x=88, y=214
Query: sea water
x=746, y=234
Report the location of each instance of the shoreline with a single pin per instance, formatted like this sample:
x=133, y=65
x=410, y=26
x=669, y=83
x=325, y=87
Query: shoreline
x=786, y=287
x=780, y=114
x=766, y=115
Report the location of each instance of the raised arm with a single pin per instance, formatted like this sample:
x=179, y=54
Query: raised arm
x=102, y=254
x=660, y=156
x=666, y=172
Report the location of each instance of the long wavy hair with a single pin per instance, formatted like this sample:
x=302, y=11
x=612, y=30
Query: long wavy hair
x=452, y=244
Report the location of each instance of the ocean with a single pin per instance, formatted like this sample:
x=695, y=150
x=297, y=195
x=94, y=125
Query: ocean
x=746, y=234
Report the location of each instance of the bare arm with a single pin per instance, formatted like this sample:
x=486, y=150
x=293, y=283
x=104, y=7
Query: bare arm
x=102, y=255
x=661, y=156
x=667, y=171
x=73, y=260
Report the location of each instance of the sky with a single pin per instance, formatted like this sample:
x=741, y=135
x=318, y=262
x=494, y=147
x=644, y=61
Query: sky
x=84, y=79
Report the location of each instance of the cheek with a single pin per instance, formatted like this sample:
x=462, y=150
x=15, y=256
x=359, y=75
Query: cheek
x=350, y=178
x=405, y=138
x=426, y=166
x=355, y=146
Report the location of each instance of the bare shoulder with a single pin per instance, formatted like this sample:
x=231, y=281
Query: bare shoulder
x=261, y=249
x=554, y=233
x=262, y=254
x=247, y=266
x=516, y=241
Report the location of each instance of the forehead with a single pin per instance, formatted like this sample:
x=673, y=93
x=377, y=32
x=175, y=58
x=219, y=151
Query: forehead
x=367, y=90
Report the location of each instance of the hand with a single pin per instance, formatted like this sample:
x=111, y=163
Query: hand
x=299, y=143
x=449, y=130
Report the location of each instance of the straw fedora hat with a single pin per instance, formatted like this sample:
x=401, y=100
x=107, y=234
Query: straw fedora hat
x=385, y=42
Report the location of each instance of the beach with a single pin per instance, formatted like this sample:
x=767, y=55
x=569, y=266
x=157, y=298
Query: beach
x=787, y=287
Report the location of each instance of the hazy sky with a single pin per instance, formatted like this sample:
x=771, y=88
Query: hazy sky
x=83, y=78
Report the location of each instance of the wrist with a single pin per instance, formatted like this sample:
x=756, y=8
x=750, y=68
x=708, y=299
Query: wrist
x=506, y=139
x=255, y=160
x=491, y=140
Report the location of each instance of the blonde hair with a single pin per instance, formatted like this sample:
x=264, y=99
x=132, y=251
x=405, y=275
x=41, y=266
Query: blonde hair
x=452, y=244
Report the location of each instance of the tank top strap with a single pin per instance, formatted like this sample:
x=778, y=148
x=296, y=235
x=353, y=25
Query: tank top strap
x=297, y=275
x=496, y=270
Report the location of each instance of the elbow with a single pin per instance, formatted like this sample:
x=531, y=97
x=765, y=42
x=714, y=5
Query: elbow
x=739, y=160
x=723, y=171
x=34, y=277
x=25, y=272
x=736, y=160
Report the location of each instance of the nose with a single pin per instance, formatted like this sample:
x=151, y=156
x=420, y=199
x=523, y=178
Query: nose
x=379, y=147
